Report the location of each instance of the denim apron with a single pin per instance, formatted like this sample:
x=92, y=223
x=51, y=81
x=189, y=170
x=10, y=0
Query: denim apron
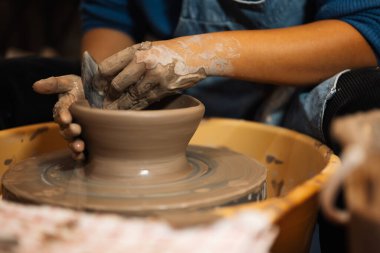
x=286, y=106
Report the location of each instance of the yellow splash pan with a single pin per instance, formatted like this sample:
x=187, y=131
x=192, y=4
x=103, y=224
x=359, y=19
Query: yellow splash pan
x=297, y=168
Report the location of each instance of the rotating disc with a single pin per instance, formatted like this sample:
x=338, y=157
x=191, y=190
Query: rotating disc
x=217, y=177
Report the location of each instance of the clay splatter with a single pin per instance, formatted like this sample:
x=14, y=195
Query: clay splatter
x=277, y=186
x=38, y=132
x=8, y=161
x=273, y=159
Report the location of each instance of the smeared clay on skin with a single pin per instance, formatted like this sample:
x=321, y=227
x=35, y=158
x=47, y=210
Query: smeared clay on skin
x=196, y=38
x=140, y=96
x=210, y=60
x=207, y=55
x=186, y=42
x=154, y=72
x=68, y=98
x=164, y=56
x=217, y=57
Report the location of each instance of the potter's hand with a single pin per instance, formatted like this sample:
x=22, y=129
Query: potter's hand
x=145, y=73
x=70, y=89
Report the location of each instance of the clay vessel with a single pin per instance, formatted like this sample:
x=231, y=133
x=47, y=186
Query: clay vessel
x=147, y=146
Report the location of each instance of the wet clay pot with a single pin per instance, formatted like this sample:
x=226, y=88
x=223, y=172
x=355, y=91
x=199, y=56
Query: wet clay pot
x=148, y=146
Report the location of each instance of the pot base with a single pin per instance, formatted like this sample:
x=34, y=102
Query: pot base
x=218, y=177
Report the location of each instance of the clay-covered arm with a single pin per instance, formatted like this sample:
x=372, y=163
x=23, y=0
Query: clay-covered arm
x=300, y=55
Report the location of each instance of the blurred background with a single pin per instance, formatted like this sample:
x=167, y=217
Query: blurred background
x=46, y=28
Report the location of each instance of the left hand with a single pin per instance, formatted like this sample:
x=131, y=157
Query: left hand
x=70, y=89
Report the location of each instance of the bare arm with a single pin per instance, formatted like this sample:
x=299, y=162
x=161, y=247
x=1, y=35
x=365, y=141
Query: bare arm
x=300, y=55
x=104, y=42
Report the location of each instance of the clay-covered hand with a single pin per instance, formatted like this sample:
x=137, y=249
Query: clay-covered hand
x=70, y=89
x=144, y=73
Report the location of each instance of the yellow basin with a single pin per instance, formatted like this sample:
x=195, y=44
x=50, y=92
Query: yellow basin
x=297, y=167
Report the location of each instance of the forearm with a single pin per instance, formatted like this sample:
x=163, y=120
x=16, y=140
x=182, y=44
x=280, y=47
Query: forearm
x=104, y=42
x=299, y=55
x=305, y=54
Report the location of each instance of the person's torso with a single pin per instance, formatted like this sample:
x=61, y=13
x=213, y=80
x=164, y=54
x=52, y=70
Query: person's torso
x=202, y=16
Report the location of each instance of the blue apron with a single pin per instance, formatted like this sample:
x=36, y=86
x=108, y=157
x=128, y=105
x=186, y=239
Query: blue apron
x=298, y=109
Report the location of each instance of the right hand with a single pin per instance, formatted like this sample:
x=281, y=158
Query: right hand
x=144, y=73
x=70, y=89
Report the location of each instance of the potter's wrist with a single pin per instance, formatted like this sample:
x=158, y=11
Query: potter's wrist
x=211, y=52
x=186, y=56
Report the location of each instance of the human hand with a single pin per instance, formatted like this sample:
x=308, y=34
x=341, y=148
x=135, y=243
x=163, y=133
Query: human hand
x=144, y=73
x=70, y=89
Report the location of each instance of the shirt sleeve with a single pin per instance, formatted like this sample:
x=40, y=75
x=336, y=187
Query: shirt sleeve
x=364, y=15
x=120, y=15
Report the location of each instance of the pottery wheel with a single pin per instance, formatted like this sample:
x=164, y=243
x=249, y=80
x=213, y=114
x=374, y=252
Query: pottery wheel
x=217, y=177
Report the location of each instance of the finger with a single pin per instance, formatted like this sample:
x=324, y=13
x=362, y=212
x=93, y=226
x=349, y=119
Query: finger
x=115, y=63
x=77, y=146
x=71, y=131
x=62, y=117
x=138, y=93
x=125, y=102
x=110, y=104
x=78, y=156
x=152, y=96
x=130, y=75
x=140, y=105
x=60, y=84
x=61, y=111
x=147, y=84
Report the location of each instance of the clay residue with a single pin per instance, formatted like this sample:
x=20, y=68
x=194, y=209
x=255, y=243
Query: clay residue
x=9, y=244
x=191, y=54
x=8, y=161
x=52, y=179
x=162, y=55
x=39, y=131
x=277, y=186
x=272, y=159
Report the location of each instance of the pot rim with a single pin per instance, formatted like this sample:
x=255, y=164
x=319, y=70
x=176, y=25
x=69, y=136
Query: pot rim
x=84, y=107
